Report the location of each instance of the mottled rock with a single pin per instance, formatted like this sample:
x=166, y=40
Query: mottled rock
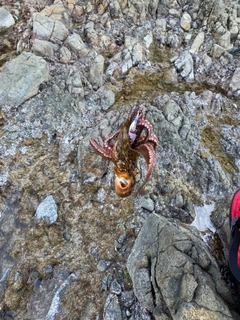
x=161, y=24
x=56, y=301
x=47, y=28
x=65, y=55
x=58, y=11
x=74, y=83
x=175, y=13
x=152, y=7
x=102, y=265
x=112, y=309
x=147, y=203
x=21, y=77
x=234, y=31
x=114, y=64
x=101, y=195
x=198, y=41
x=105, y=97
x=115, y=287
x=137, y=53
x=47, y=210
x=75, y=43
x=186, y=21
x=171, y=267
x=43, y=48
x=131, y=56
x=185, y=65
x=225, y=40
x=234, y=85
x=127, y=62
x=6, y=20
x=217, y=51
x=148, y=39
x=91, y=34
x=96, y=72
x=170, y=76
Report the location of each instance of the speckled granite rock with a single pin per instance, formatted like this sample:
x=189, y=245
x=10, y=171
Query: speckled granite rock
x=20, y=78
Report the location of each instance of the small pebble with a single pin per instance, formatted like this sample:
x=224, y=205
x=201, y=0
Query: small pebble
x=47, y=210
x=148, y=204
x=115, y=287
x=102, y=265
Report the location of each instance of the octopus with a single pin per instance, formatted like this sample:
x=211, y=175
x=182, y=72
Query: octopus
x=132, y=139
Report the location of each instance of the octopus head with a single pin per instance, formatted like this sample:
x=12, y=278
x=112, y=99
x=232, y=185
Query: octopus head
x=124, y=183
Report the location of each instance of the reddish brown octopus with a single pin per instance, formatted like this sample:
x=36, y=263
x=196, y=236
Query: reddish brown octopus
x=134, y=137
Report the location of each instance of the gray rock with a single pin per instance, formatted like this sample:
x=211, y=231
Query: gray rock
x=42, y=26
x=96, y=72
x=101, y=195
x=114, y=63
x=217, y=50
x=4, y=276
x=234, y=31
x=127, y=62
x=152, y=7
x=127, y=298
x=56, y=301
x=65, y=55
x=47, y=210
x=4, y=178
x=234, y=85
x=147, y=203
x=102, y=265
x=185, y=65
x=75, y=43
x=225, y=39
x=137, y=54
x=47, y=28
x=115, y=287
x=198, y=41
x=148, y=39
x=104, y=97
x=74, y=82
x=90, y=33
x=131, y=56
x=186, y=21
x=6, y=20
x=21, y=77
x=112, y=309
x=172, y=268
x=43, y=48
x=174, y=13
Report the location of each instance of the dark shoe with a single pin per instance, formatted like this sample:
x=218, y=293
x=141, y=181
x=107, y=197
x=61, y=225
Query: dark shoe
x=234, y=248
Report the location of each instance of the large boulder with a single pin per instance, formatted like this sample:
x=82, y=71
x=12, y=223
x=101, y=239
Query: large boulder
x=21, y=77
x=174, y=274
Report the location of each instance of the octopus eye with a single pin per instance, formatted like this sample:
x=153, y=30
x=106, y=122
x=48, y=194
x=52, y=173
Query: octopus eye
x=123, y=182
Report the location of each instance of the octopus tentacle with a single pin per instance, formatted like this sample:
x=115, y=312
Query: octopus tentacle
x=154, y=140
x=113, y=135
x=104, y=152
x=134, y=111
x=145, y=124
x=134, y=137
x=148, y=152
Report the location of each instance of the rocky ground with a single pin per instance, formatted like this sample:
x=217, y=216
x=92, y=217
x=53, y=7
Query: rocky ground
x=71, y=70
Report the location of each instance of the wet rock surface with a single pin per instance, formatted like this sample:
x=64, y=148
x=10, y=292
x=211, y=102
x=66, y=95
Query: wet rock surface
x=70, y=248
